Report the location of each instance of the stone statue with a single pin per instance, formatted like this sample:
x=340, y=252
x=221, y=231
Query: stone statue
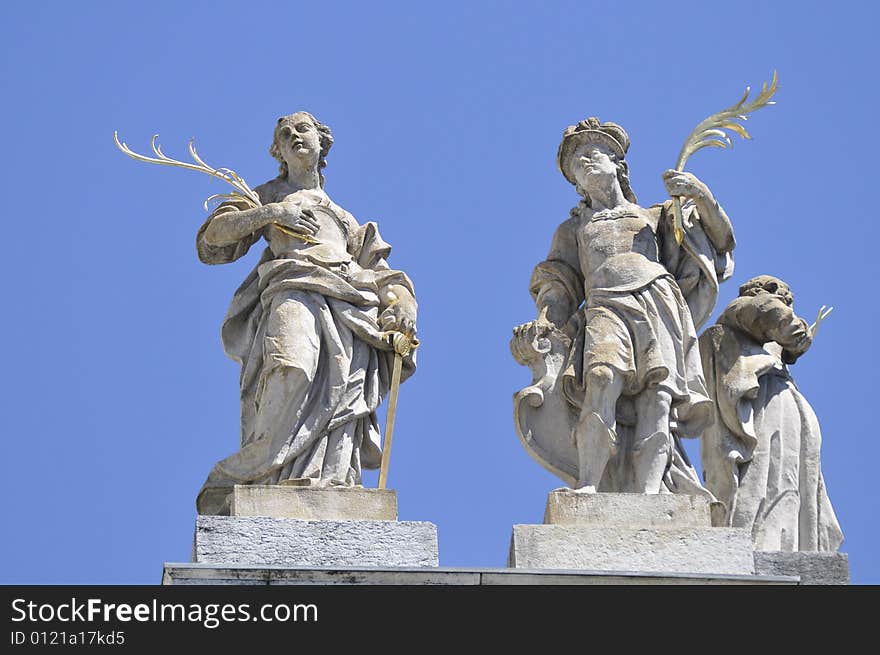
x=761, y=454
x=309, y=325
x=614, y=352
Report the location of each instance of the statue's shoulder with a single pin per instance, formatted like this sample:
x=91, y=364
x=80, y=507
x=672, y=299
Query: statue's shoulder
x=268, y=191
x=754, y=315
x=570, y=224
x=565, y=235
x=660, y=208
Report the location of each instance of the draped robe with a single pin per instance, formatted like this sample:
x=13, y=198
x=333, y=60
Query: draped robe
x=314, y=362
x=761, y=454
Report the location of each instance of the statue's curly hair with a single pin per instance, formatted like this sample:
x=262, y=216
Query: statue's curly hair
x=767, y=284
x=324, y=135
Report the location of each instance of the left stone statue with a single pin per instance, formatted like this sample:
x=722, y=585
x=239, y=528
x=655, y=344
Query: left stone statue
x=309, y=325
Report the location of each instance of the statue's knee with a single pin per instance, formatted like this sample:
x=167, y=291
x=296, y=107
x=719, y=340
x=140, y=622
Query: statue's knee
x=659, y=443
x=599, y=377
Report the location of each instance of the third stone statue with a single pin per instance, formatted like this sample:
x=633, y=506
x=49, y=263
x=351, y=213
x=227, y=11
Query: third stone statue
x=761, y=454
x=617, y=377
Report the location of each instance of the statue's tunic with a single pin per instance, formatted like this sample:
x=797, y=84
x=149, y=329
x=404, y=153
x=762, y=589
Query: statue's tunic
x=314, y=365
x=635, y=318
x=634, y=296
x=761, y=454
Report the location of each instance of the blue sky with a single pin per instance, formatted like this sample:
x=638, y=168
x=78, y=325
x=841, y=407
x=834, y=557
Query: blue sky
x=118, y=399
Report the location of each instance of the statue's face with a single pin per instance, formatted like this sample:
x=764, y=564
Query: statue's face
x=593, y=162
x=299, y=143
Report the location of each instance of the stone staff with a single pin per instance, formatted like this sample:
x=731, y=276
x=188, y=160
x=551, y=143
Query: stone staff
x=403, y=344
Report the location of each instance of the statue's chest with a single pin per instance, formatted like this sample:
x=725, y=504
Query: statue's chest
x=328, y=244
x=633, y=231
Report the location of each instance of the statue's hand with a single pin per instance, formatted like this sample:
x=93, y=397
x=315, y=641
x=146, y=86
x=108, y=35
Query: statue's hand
x=687, y=185
x=399, y=317
x=295, y=218
x=527, y=339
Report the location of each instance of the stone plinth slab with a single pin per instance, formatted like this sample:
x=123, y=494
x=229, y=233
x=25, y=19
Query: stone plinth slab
x=297, y=543
x=200, y=574
x=607, y=510
x=196, y=574
x=308, y=503
x=659, y=550
x=811, y=568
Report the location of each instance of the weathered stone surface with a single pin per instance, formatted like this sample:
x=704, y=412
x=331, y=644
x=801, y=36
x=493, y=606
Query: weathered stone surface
x=310, y=503
x=761, y=454
x=813, y=568
x=681, y=550
x=618, y=304
x=296, y=543
x=196, y=574
x=312, y=377
x=402, y=576
x=570, y=577
x=603, y=510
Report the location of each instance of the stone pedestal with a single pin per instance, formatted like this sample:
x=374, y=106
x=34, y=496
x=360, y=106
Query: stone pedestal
x=296, y=527
x=303, y=502
x=245, y=575
x=314, y=504
x=626, y=510
x=631, y=532
x=811, y=568
x=260, y=540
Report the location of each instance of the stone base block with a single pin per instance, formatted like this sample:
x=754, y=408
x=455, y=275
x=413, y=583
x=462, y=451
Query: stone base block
x=812, y=568
x=661, y=550
x=296, y=543
x=605, y=510
x=314, y=503
x=208, y=574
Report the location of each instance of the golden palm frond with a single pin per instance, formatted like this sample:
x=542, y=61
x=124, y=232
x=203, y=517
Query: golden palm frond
x=714, y=125
x=242, y=193
x=710, y=133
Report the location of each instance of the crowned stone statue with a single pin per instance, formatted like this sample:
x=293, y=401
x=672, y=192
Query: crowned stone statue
x=617, y=377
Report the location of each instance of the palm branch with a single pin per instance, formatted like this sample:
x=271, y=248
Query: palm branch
x=710, y=133
x=242, y=193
